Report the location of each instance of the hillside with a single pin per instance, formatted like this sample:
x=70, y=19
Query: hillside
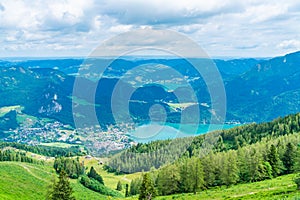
x=144, y=156
x=279, y=188
x=268, y=90
x=27, y=181
x=266, y=154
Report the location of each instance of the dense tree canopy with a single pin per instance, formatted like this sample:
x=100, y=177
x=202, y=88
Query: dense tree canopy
x=45, y=150
x=250, y=163
x=71, y=166
x=19, y=156
x=158, y=153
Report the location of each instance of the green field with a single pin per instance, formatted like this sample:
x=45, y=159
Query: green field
x=279, y=188
x=59, y=144
x=29, y=181
x=110, y=179
x=181, y=105
x=7, y=109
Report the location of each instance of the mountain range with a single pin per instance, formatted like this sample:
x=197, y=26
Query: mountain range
x=257, y=90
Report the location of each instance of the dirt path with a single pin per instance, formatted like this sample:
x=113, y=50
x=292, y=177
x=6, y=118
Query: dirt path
x=30, y=172
x=126, y=179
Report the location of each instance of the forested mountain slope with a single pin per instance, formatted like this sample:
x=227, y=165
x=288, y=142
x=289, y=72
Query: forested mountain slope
x=157, y=153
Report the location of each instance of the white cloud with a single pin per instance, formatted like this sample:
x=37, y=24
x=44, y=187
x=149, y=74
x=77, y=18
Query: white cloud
x=289, y=44
x=261, y=13
x=158, y=12
x=17, y=14
x=221, y=27
x=39, y=15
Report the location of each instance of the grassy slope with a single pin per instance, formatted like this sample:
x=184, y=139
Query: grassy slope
x=110, y=179
x=27, y=181
x=59, y=144
x=279, y=188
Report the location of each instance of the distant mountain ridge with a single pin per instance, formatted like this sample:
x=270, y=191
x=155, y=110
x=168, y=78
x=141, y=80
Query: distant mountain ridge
x=270, y=89
x=257, y=90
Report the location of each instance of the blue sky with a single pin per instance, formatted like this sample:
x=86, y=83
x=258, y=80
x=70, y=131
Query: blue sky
x=248, y=28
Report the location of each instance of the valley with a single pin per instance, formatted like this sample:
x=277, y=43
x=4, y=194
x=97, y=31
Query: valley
x=157, y=131
x=60, y=115
x=244, y=169
x=149, y=100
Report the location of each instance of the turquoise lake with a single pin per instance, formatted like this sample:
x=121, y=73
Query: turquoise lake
x=155, y=131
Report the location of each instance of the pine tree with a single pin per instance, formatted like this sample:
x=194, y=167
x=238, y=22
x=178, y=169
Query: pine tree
x=119, y=186
x=273, y=158
x=132, y=188
x=297, y=181
x=265, y=171
x=147, y=190
x=195, y=172
x=209, y=170
x=219, y=146
x=135, y=186
x=244, y=164
x=184, y=178
x=61, y=189
x=126, y=190
x=229, y=174
x=93, y=174
x=289, y=157
x=297, y=161
x=258, y=167
x=168, y=180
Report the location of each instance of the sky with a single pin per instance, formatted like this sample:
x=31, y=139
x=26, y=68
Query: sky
x=222, y=28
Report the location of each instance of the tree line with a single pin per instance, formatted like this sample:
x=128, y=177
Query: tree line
x=45, y=150
x=12, y=155
x=264, y=160
x=72, y=167
x=158, y=153
x=75, y=169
